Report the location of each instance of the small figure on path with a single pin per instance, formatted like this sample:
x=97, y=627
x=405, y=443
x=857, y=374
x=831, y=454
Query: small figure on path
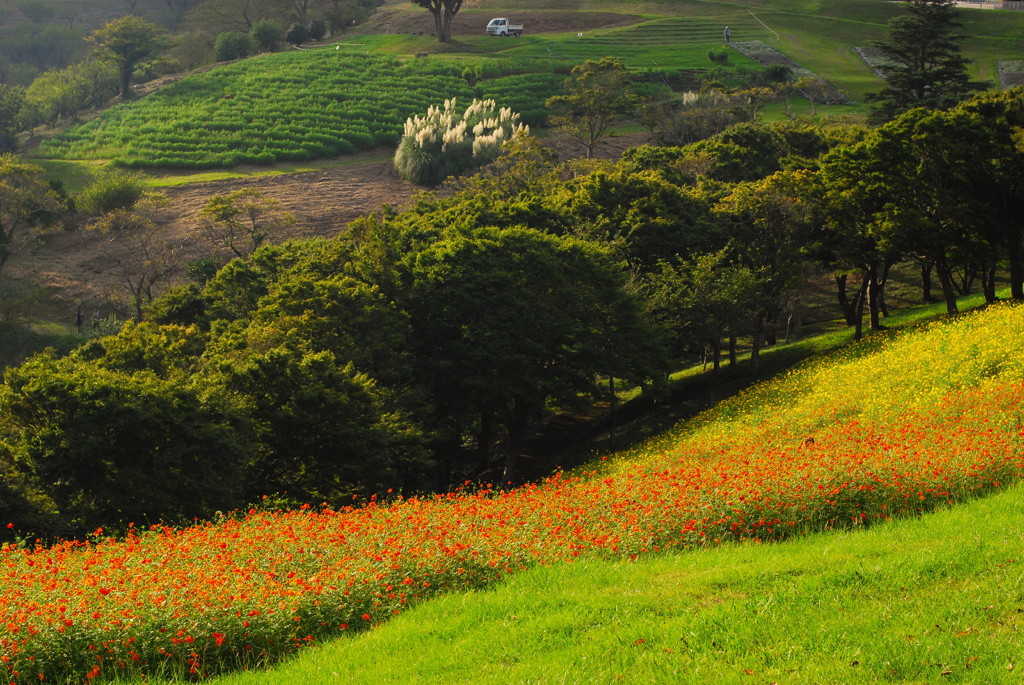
x=726, y=34
x=78, y=320
x=96, y=318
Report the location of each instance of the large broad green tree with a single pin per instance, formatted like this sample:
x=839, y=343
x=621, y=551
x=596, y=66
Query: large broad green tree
x=117, y=447
x=925, y=65
x=1000, y=187
x=914, y=185
x=598, y=94
x=26, y=201
x=127, y=42
x=702, y=301
x=774, y=227
x=507, y=320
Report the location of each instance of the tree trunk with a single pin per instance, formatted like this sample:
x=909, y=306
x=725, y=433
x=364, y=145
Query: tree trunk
x=926, y=282
x=1016, y=270
x=873, y=298
x=755, y=349
x=516, y=428
x=858, y=331
x=882, y=281
x=848, y=308
x=611, y=415
x=988, y=281
x=444, y=27
x=125, y=74
x=732, y=352
x=942, y=270
x=717, y=352
x=439, y=24
x=483, y=442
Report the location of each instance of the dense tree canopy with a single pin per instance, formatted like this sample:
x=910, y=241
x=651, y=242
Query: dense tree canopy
x=425, y=347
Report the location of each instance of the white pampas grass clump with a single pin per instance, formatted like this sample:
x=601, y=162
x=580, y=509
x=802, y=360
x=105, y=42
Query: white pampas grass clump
x=447, y=141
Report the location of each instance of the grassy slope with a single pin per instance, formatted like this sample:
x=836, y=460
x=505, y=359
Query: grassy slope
x=818, y=35
x=922, y=600
x=936, y=598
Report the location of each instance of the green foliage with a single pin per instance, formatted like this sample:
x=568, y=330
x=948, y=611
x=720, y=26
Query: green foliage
x=34, y=48
x=719, y=55
x=12, y=99
x=695, y=116
x=317, y=29
x=323, y=104
x=120, y=447
x=925, y=66
x=232, y=45
x=110, y=191
x=646, y=217
x=68, y=92
x=447, y=142
x=26, y=202
x=703, y=301
x=597, y=95
x=506, y=320
x=127, y=42
x=243, y=220
x=183, y=305
x=297, y=34
x=267, y=36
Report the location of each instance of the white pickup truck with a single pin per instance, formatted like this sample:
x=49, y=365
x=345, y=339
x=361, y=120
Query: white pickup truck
x=500, y=26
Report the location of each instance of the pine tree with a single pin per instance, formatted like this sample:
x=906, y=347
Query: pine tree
x=926, y=68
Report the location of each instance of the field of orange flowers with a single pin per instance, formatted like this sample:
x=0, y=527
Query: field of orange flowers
x=929, y=418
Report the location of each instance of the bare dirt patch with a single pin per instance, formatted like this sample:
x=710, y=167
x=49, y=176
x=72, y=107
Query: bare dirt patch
x=73, y=267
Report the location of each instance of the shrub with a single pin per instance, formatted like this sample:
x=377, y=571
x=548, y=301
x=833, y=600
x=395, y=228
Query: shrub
x=232, y=45
x=111, y=191
x=297, y=34
x=446, y=142
x=719, y=55
x=318, y=29
x=267, y=36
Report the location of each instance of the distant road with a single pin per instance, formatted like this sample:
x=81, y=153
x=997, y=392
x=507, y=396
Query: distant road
x=983, y=5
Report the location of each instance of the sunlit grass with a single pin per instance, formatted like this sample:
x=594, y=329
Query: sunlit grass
x=930, y=599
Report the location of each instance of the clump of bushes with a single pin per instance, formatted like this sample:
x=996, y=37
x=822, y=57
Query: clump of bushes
x=719, y=55
x=297, y=34
x=111, y=191
x=447, y=142
x=232, y=45
x=267, y=36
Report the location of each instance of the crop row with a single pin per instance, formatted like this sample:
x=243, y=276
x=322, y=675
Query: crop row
x=929, y=420
x=286, y=106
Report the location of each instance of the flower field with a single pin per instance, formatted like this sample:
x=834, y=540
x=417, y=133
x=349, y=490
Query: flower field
x=930, y=418
x=288, y=107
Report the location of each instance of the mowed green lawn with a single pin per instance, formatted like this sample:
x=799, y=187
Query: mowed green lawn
x=818, y=35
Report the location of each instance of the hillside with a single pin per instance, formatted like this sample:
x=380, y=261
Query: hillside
x=925, y=421
x=67, y=270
